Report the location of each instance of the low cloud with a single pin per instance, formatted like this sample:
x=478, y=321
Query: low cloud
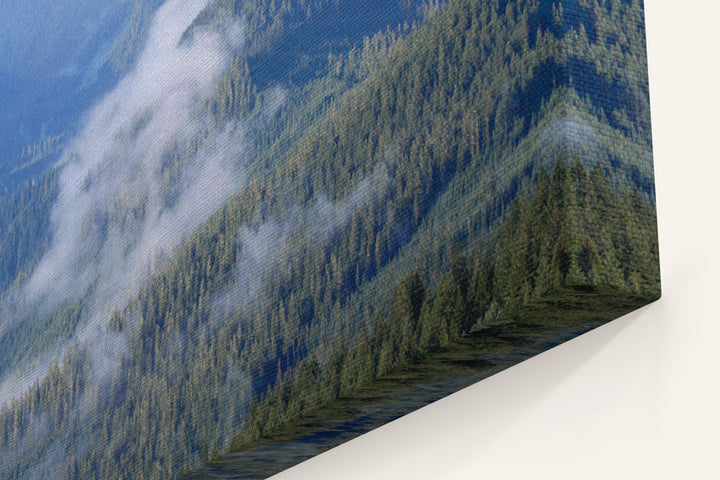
x=143, y=173
x=266, y=247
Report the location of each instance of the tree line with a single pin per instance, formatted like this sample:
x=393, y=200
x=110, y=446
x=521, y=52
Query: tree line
x=572, y=236
x=435, y=110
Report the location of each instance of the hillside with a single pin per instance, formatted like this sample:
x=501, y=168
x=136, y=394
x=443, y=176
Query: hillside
x=58, y=59
x=363, y=156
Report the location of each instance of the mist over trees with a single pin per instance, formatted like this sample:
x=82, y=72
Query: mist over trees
x=574, y=235
x=438, y=167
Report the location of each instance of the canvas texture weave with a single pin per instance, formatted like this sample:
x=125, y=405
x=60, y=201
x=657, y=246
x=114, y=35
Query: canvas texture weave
x=237, y=233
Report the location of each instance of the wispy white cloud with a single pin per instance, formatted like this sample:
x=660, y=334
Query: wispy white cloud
x=143, y=173
x=268, y=246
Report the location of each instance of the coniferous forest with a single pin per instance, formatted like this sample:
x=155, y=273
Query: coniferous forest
x=275, y=206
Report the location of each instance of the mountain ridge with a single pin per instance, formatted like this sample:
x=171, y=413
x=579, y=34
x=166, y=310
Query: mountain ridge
x=433, y=128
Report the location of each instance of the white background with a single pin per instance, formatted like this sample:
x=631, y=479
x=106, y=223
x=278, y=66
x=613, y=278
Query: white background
x=638, y=398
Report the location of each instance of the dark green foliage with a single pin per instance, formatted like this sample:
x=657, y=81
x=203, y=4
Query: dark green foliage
x=555, y=228
x=414, y=142
x=578, y=233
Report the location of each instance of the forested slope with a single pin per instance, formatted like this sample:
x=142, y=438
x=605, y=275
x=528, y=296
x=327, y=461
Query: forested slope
x=401, y=155
x=572, y=253
x=274, y=118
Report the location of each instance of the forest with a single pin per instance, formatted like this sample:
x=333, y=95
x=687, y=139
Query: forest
x=439, y=168
x=574, y=238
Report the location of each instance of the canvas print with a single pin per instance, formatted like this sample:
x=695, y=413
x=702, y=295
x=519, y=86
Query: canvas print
x=237, y=233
